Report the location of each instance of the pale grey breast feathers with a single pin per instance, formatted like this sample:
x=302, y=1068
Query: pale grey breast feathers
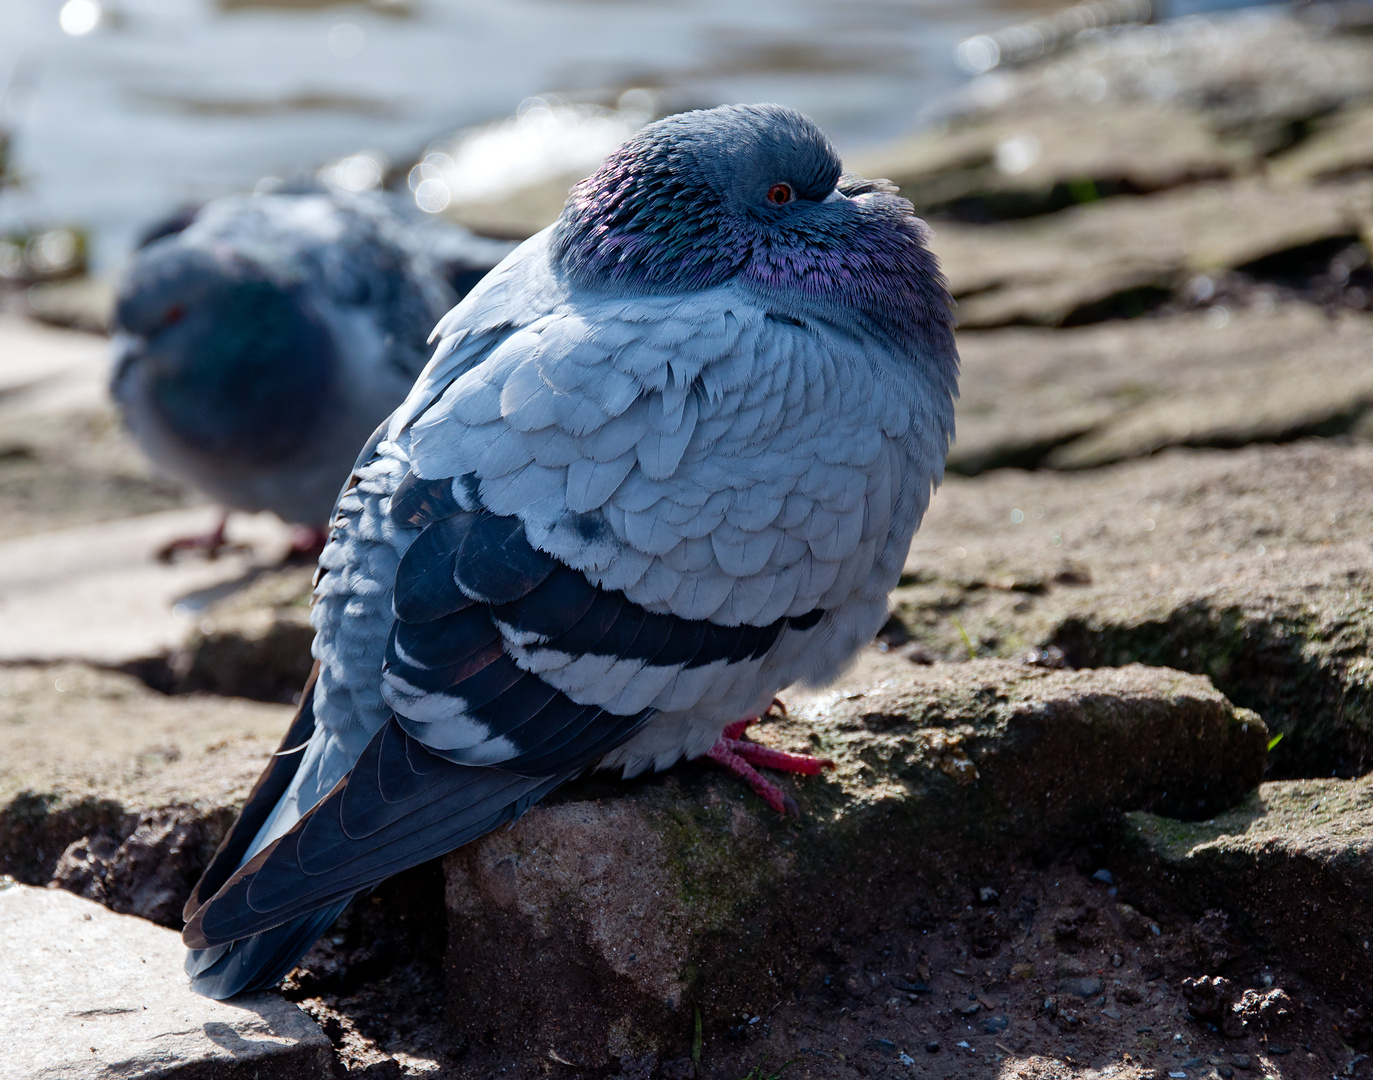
x=707, y=460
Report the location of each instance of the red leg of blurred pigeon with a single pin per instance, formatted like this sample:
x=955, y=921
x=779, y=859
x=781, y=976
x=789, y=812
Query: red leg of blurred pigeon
x=210, y=544
x=740, y=757
x=307, y=543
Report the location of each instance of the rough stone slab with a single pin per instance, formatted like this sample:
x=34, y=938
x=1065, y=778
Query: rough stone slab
x=65, y=467
x=637, y=907
x=1014, y=162
x=1292, y=867
x=1059, y=267
x=42, y=368
x=1087, y=397
x=1251, y=74
x=64, y=459
x=255, y=642
x=1138, y=110
x=97, y=593
x=1342, y=144
x=90, y=995
x=1253, y=566
x=85, y=303
x=96, y=756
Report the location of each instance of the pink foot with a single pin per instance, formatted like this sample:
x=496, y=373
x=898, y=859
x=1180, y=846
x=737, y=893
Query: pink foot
x=740, y=757
x=210, y=544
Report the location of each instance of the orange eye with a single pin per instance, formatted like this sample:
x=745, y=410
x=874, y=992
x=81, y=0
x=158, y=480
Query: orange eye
x=780, y=194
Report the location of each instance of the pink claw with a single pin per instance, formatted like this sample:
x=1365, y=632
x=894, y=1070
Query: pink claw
x=739, y=757
x=210, y=544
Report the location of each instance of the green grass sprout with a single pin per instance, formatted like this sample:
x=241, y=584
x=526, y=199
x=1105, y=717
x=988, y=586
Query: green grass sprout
x=967, y=641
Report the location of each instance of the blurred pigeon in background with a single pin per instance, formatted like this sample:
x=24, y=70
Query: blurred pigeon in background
x=261, y=338
x=667, y=459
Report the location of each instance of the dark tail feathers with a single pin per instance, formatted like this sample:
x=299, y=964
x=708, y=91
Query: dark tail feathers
x=259, y=961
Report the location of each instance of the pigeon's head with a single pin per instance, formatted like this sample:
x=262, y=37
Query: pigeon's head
x=225, y=350
x=754, y=193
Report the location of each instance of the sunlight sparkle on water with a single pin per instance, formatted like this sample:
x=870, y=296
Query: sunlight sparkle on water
x=357, y=172
x=549, y=138
x=345, y=39
x=1016, y=153
x=79, y=17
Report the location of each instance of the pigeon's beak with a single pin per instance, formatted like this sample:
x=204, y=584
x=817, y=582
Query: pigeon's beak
x=835, y=196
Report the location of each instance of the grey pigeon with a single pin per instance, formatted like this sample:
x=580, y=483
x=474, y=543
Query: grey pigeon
x=667, y=459
x=260, y=339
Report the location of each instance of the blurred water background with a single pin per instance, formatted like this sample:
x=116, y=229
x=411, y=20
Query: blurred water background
x=118, y=111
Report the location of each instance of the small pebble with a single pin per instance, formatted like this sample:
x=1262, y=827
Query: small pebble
x=906, y=1059
x=1225, y=1071
x=995, y=1025
x=1117, y=960
x=1241, y=1061
x=988, y=895
x=1084, y=988
x=1105, y=877
x=932, y=1047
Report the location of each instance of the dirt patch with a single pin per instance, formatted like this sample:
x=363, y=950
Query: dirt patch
x=375, y=981
x=1293, y=865
x=1038, y=971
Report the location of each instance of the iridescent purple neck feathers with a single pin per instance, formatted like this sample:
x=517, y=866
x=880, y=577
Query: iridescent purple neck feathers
x=754, y=194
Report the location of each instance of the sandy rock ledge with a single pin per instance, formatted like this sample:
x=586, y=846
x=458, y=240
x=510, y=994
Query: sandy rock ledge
x=600, y=924
x=1292, y=867
x=91, y=995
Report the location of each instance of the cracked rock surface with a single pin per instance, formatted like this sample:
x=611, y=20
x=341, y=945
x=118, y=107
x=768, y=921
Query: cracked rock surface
x=120, y=792
x=1116, y=256
x=592, y=925
x=1093, y=396
x=1292, y=864
x=1252, y=566
x=91, y=995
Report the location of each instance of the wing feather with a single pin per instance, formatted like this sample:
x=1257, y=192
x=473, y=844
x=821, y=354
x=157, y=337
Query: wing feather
x=356, y=837
x=270, y=786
